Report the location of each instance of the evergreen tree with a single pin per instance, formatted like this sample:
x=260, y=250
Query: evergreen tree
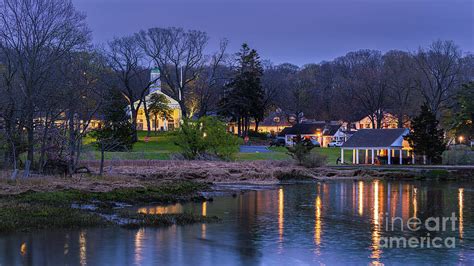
x=116, y=132
x=159, y=107
x=244, y=94
x=464, y=118
x=425, y=138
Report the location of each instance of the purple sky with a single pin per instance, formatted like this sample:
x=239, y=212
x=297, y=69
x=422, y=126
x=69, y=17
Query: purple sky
x=295, y=31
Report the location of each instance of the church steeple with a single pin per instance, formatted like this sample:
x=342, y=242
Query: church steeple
x=155, y=78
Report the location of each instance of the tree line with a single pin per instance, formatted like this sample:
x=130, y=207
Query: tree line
x=53, y=82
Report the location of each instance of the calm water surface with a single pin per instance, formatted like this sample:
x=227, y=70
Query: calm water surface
x=332, y=223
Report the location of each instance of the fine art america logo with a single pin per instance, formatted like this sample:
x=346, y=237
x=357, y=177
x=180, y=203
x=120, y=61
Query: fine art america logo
x=433, y=226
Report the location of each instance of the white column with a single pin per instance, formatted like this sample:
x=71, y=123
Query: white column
x=393, y=153
x=373, y=160
x=401, y=156
x=342, y=156
x=412, y=157
x=366, y=156
x=357, y=156
x=389, y=154
x=353, y=156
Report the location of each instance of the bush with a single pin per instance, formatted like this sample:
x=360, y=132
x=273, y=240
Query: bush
x=300, y=149
x=458, y=155
x=314, y=160
x=205, y=138
x=257, y=135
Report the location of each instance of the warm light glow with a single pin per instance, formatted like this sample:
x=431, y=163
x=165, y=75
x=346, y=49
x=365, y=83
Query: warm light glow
x=139, y=245
x=376, y=228
x=361, y=203
x=317, y=225
x=461, y=138
x=171, y=209
x=376, y=202
x=415, y=204
x=204, y=208
x=23, y=249
x=204, y=134
x=82, y=248
x=281, y=208
x=461, y=206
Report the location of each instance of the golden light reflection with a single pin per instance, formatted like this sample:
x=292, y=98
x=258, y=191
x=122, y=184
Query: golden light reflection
x=204, y=208
x=376, y=228
x=23, y=249
x=171, y=209
x=139, y=245
x=361, y=203
x=461, y=206
x=82, y=248
x=203, y=226
x=281, y=208
x=317, y=224
x=415, y=203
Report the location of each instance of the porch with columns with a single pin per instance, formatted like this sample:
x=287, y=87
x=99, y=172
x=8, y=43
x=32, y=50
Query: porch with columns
x=371, y=154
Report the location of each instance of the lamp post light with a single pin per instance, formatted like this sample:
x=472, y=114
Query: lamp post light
x=461, y=139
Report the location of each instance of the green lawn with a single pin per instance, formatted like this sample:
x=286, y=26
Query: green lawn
x=161, y=146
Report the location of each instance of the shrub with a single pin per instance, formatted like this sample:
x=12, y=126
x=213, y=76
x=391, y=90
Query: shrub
x=258, y=135
x=204, y=137
x=314, y=160
x=458, y=155
x=300, y=149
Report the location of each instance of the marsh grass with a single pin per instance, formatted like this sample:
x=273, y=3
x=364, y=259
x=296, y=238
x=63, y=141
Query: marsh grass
x=53, y=209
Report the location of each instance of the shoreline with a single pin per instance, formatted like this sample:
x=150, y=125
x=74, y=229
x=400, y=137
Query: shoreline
x=85, y=200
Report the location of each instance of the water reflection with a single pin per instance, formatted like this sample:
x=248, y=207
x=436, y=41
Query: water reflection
x=330, y=223
x=82, y=248
x=281, y=209
x=203, y=226
x=361, y=197
x=317, y=224
x=139, y=237
x=170, y=209
x=23, y=249
x=461, y=212
x=376, y=222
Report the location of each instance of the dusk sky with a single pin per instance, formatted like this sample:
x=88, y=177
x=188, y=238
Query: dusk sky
x=298, y=32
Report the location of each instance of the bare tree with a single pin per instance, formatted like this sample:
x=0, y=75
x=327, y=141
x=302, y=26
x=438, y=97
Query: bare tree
x=126, y=59
x=179, y=55
x=205, y=92
x=399, y=71
x=38, y=34
x=438, y=72
x=364, y=81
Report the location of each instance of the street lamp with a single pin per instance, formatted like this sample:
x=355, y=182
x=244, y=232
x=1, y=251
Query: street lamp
x=460, y=138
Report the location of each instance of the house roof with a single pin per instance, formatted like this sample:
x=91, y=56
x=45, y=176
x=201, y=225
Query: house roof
x=305, y=129
x=270, y=120
x=371, y=138
x=311, y=129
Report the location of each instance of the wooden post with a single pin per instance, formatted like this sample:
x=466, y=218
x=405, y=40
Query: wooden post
x=389, y=154
x=373, y=159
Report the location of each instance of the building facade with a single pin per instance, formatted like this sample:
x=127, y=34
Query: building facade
x=171, y=122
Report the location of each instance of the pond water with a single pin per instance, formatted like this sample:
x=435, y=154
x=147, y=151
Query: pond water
x=330, y=222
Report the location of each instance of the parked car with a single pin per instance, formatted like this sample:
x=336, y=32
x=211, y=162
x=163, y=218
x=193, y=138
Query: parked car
x=315, y=143
x=335, y=143
x=278, y=142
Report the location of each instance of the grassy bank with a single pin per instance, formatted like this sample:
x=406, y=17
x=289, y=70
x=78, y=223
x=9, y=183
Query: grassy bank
x=54, y=209
x=161, y=146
